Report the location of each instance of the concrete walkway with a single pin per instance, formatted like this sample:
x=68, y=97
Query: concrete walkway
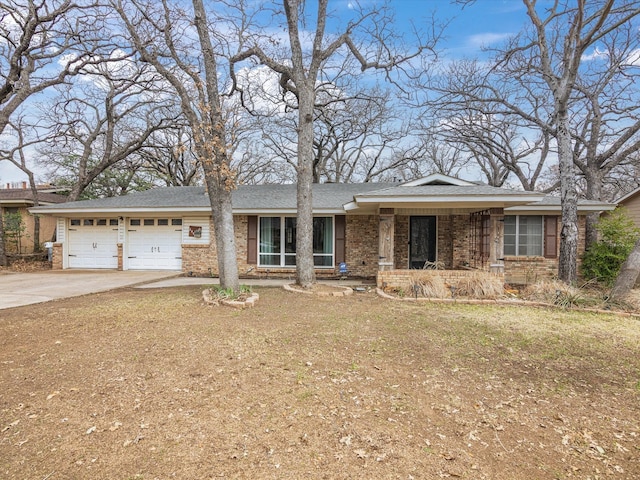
x=19, y=289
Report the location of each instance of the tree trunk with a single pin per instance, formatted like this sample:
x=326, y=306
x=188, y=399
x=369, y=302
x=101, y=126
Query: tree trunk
x=222, y=213
x=594, y=192
x=628, y=274
x=567, y=261
x=305, y=272
x=36, y=219
x=3, y=253
x=215, y=161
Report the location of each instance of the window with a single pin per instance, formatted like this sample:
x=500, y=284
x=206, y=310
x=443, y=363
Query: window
x=113, y=222
x=523, y=235
x=134, y=222
x=149, y=222
x=277, y=242
x=75, y=222
x=176, y=221
x=163, y=222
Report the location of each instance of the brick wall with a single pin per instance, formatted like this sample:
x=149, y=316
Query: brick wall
x=461, y=233
x=201, y=260
x=362, y=245
x=401, y=241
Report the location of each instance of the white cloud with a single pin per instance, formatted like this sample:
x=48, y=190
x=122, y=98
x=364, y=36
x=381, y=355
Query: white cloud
x=485, y=39
x=634, y=58
x=597, y=54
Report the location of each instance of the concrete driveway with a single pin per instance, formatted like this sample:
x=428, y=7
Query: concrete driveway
x=18, y=289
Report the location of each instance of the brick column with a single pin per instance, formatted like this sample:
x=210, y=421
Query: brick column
x=385, y=243
x=56, y=257
x=120, y=258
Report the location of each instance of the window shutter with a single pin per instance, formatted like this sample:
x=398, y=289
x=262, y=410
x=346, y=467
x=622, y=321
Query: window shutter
x=252, y=239
x=340, y=226
x=551, y=237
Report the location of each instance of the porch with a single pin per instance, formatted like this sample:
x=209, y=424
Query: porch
x=451, y=242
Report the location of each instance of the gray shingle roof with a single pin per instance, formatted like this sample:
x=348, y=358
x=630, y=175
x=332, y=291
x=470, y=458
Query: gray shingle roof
x=326, y=196
x=246, y=197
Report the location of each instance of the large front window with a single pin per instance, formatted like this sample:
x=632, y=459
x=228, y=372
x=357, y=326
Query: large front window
x=277, y=242
x=523, y=235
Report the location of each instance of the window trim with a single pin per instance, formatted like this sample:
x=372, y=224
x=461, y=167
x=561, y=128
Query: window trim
x=283, y=254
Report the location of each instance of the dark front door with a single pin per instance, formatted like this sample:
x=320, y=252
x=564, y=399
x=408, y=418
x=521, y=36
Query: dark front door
x=422, y=241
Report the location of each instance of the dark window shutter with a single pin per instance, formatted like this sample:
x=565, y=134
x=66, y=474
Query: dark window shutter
x=551, y=237
x=252, y=239
x=340, y=229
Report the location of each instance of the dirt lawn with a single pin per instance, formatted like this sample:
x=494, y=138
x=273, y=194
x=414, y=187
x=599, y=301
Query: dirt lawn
x=153, y=384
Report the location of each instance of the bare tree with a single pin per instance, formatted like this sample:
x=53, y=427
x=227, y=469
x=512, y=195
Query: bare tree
x=42, y=43
x=542, y=65
x=160, y=33
x=498, y=124
x=424, y=155
x=560, y=53
x=300, y=70
x=171, y=158
x=606, y=113
x=101, y=120
x=499, y=146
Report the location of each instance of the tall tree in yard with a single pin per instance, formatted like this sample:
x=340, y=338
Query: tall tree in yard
x=560, y=53
x=544, y=64
x=161, y=34
x=301, y=70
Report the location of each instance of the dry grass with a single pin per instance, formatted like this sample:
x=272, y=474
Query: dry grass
x=559, y=293
x=146, y=384
x=430, y=284
x=427, y=283
x=480, y=285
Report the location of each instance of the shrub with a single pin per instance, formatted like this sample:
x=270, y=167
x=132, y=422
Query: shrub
x=604, y=258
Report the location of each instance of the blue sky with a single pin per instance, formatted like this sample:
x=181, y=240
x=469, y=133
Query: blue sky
x=484, y=23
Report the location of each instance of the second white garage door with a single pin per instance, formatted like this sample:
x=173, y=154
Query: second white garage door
x=154, y=243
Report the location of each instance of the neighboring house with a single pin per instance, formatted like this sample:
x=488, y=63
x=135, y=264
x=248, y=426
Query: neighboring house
x=17, y=198
x=631, y=202
x=372, y=228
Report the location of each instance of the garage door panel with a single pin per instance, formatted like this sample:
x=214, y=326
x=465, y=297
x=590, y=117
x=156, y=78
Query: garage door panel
x=154, y=246
x=93, y=245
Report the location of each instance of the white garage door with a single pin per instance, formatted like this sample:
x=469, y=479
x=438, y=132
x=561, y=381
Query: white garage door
x=93, y=243
x=154, y=244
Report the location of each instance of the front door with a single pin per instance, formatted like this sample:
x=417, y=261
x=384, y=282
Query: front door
x=422, y=241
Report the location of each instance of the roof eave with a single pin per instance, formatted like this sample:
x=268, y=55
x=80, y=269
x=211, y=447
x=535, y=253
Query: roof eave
x=540, y=209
